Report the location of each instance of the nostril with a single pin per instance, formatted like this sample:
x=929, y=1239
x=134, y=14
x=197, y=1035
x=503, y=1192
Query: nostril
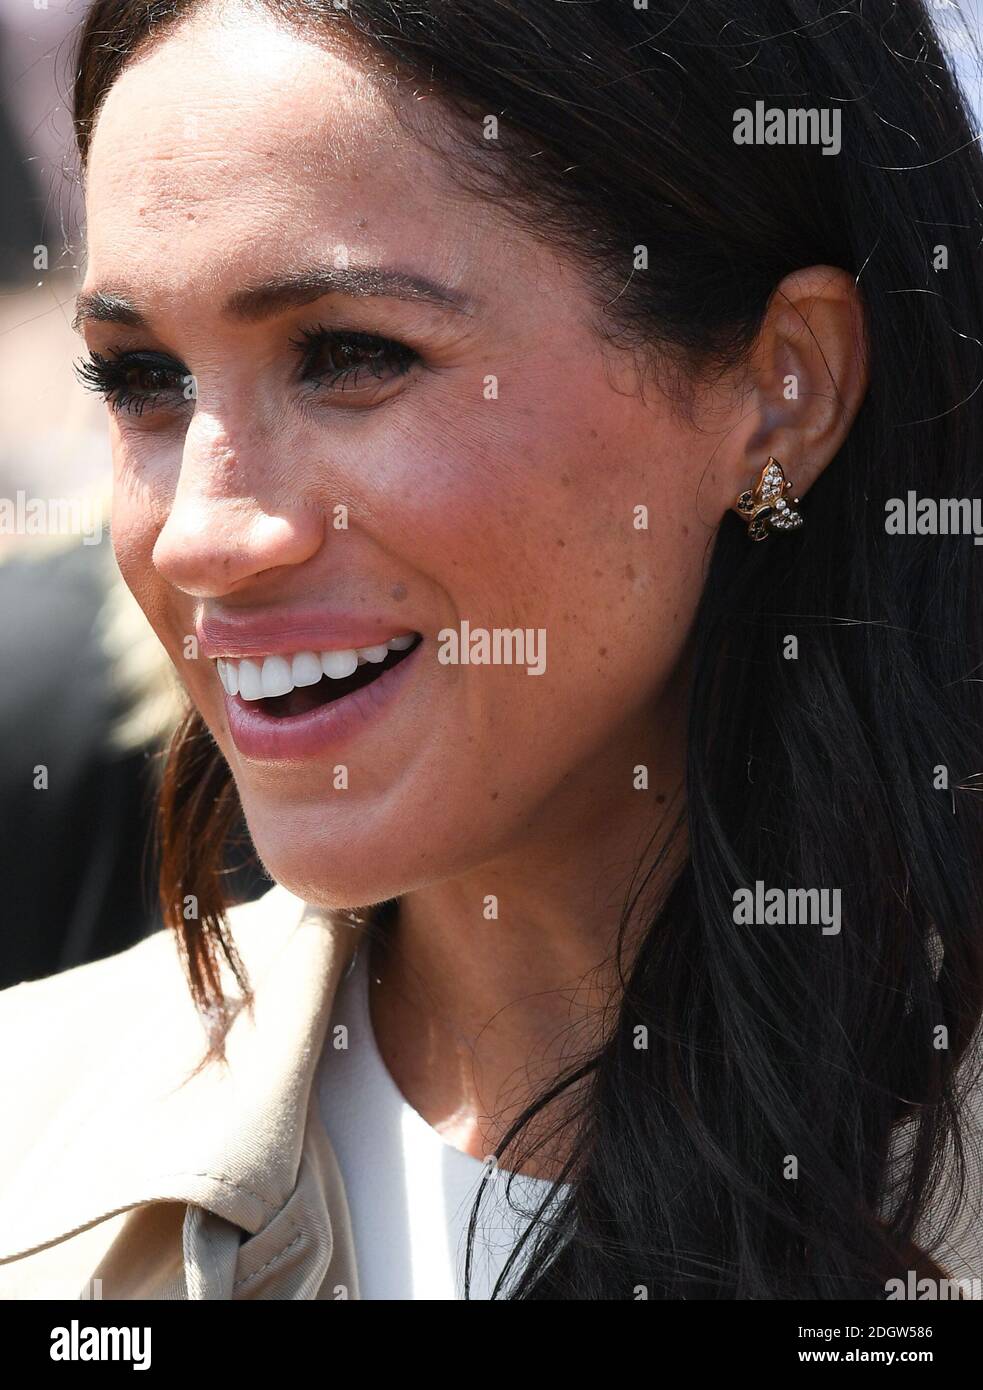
x=209, y=547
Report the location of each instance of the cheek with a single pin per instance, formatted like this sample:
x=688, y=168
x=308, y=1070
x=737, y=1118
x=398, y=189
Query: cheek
x=563, y=486
x=551, y=515
x=137, y=518
x=133, y=539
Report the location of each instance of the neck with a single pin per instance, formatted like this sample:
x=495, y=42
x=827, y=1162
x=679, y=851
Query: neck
x=494, y=982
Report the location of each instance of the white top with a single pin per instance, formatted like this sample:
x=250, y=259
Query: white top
x=410, y=1193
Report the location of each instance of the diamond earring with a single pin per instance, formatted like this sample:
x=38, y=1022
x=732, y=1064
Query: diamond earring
x=764, y=507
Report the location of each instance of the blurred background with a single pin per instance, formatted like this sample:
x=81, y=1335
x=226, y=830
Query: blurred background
x=87, y=698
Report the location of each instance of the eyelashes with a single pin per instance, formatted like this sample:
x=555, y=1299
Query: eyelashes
x=330, y=360
x=349, y=354
x=111, y=378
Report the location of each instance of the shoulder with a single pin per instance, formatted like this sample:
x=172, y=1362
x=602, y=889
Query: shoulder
x=106, y=1103
x=155, y=957
x=108, y=1108
x=61, y=1032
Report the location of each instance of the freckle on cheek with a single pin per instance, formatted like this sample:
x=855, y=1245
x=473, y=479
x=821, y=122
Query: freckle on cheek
x=560, y=542
x=630, y=573
x=602, y=651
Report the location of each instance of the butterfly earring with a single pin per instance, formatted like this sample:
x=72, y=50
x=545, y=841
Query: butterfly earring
x=764, y=507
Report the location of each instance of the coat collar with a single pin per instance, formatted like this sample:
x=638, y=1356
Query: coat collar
x=115, y=1115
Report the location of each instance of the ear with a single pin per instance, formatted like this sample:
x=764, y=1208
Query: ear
x=806, y=381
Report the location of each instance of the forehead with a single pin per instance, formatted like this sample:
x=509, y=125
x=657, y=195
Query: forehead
x=236, y=139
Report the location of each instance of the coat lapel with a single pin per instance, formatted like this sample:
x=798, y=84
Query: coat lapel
x=108, y=1112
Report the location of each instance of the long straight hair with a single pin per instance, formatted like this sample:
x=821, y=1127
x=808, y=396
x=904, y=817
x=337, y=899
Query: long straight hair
x=783, y=1128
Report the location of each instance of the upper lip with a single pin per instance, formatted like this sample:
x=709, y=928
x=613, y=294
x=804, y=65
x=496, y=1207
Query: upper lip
x=272, y=632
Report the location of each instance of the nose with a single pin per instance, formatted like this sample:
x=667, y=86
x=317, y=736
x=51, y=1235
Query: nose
x=229, y=520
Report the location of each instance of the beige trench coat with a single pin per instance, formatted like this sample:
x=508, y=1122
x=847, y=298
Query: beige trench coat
x=117, y=1181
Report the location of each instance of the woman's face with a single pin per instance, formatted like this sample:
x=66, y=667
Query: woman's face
x=482, y=462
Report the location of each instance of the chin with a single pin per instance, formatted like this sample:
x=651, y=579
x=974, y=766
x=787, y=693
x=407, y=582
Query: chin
x=327, y=872
x=358, y=852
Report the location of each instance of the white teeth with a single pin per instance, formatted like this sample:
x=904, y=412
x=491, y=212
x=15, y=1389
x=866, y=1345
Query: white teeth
x=250, y=681
x=337, y=665
x=306, y=668
x=228, y=674
x=264, y=678
x=277, y=679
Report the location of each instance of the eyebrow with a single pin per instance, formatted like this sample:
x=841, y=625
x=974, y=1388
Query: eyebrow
x=287, y=291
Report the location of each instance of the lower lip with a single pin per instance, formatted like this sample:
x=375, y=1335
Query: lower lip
x=259, y=736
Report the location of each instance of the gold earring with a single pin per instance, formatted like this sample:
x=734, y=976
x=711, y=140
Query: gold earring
x=764, y=507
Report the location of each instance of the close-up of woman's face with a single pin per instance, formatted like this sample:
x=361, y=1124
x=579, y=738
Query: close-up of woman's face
x=503, y=809
x=476, y=455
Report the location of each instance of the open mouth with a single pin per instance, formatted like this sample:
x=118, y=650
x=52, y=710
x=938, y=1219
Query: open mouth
x=329, y=689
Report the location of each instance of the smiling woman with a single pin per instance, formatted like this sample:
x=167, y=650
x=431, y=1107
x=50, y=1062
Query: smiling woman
x=475, y=316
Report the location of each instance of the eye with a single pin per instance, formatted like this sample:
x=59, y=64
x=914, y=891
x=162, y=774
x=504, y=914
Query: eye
x=334, y=361
x=350, y=361
x=131, y=381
